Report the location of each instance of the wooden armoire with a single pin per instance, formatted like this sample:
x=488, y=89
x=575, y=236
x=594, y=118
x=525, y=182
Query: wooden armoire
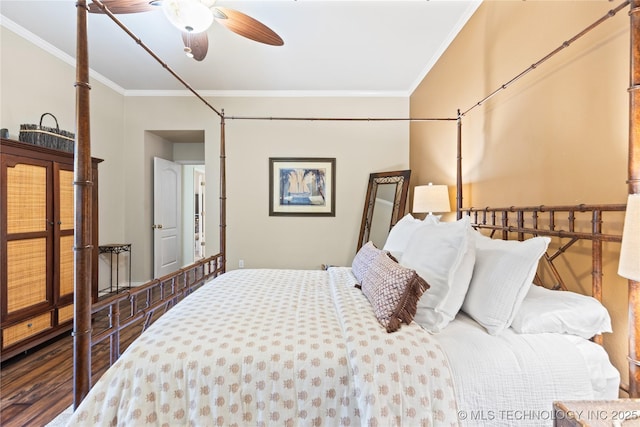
x=36, y=248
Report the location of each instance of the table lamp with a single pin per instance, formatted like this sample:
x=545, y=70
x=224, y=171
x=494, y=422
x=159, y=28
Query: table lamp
x=429, y=199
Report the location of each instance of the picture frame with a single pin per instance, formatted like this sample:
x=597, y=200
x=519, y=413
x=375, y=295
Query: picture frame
x=302, y=186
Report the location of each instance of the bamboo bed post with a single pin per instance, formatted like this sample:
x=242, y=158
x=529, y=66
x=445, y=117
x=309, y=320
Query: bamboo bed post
x=82, y=182
x=459, y=168
x=223, y=194
x=596, y=262
x=634, y=188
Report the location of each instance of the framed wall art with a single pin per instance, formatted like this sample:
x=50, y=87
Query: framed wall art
x=302, y=186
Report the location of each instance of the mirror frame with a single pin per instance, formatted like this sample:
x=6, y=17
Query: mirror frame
x=401, y=179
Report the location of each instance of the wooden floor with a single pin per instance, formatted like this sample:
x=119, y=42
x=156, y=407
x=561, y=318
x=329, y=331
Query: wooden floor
x=38, y=385
x=35, y=387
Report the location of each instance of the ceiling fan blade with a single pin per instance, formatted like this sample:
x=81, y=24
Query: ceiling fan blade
x=197, y=43
x=246, y=26
x=123, y=6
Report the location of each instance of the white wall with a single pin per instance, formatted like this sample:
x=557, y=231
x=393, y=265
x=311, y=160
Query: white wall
x=118, y=131
x=188, y=152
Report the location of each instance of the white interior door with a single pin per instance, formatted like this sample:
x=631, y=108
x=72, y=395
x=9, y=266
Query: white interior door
x=167, y=203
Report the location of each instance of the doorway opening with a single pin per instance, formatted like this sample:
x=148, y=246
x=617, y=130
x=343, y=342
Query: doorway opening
x=178, y=187
x=198, y=215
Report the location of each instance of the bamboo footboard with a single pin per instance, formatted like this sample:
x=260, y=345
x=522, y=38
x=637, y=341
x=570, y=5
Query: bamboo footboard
x=122, y=317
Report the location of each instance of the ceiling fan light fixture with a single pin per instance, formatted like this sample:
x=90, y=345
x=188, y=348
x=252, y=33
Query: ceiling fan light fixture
x=188, y=15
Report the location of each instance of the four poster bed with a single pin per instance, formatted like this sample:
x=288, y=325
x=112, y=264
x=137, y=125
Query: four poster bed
x=441, y=326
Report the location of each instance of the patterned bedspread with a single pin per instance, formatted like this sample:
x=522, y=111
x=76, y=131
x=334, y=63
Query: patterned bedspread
x=275, y=348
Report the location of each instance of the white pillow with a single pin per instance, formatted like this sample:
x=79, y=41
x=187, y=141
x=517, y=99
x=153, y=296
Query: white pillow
x=502, y=276
x=562, y=312
x=442, y=254
x=400, y=234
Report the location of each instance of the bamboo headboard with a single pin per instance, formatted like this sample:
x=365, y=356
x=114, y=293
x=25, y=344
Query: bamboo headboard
x=566, y=225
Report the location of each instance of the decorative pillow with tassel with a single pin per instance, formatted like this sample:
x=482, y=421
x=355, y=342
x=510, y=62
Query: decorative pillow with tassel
x=363, y=260
x=393, y=291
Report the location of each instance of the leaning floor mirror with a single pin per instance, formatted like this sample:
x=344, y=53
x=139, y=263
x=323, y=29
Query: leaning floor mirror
x=384, y=205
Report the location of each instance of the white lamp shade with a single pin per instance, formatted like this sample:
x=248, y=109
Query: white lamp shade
x=431, y=198
x=629, y=266
x=188, y=15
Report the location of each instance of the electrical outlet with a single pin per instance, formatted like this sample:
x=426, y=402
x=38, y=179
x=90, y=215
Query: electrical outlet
x=241, y=263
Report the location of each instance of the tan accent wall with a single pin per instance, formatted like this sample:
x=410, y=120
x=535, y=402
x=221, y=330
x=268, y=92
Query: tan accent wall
x=559, y=135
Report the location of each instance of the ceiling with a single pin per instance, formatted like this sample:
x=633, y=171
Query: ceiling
x=330, y=47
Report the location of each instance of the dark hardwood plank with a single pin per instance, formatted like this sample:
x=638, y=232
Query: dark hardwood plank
x=38, y=385
x=12, y=411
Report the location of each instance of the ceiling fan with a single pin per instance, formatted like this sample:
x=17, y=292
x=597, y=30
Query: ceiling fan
x=193, y=18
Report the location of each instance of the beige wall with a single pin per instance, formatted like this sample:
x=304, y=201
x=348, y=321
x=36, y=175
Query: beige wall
x=252, y=235
x=359, y=149
x=33, y=82
x=119, y=126
x=559, y=135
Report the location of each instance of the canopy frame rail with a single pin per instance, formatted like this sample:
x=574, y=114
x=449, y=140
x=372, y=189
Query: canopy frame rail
x=611, y=13
x=346, y=119
x=139, y=41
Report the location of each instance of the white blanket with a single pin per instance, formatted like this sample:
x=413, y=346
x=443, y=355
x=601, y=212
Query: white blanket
x=513, y=379
x=275, y=348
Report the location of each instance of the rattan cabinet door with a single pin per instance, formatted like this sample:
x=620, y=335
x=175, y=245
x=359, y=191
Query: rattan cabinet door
x=64, y=238
x=28, y=225
x=27, y=245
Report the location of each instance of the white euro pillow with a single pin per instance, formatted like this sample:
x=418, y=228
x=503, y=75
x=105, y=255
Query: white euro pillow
x=443, y=254
x=400, y=234
x=502, y=276
x=562, y=312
